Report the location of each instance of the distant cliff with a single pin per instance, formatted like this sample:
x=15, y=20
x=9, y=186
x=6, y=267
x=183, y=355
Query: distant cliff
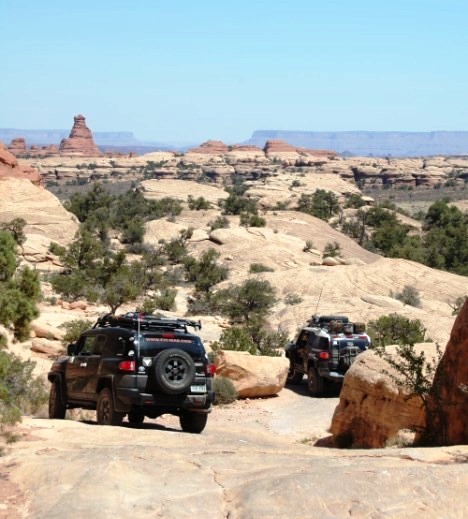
x=363, y=143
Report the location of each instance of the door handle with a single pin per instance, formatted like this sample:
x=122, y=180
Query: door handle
x=83, y=365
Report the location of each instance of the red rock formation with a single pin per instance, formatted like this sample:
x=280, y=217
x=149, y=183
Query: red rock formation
x=9, y=167
x=275, y=146
x=452, y=376
x=43, y=151
x=80, y=141
x=17, y=146
x=211, y=148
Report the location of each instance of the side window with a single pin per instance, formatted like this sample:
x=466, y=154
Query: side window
x=322, y=343
x=99, y=344
x=86, y=345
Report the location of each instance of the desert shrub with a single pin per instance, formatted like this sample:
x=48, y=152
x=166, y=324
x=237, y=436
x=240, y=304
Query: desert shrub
x=20, y=392
x=322, y=204
x=416, y=376
x=252, y=220
x=73, y=329
x=225, y=391
x=256, y=268
x=221, y=222
x=409, y=296
x=309, y=245
x=236, y=204
x=176, y=248
x=198, y=204
x=395, y=329
x=355, y=201
x=206, y=271
x=165, y=300
x=332, y=249
x=457, y=304
x=293, y=299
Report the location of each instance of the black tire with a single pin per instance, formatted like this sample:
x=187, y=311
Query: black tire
x=136, y=416
x=294, y=376
x=105, y=410
x=314, y=383
x=57, y=408
x=173, y=371
x=193, y=422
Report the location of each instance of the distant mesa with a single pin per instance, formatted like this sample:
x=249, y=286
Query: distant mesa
x=80, y=141
x=17, y=146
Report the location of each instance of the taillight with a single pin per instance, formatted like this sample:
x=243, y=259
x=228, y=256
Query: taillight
x=167, y=335
x=363, y=336
x=323, y=355
x=127, y=365
x=210, y=369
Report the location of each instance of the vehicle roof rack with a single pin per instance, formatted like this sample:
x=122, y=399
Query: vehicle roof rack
x=135, y=321
x=322, y=321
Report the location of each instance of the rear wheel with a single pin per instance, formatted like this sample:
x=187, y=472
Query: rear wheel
x=105, y=410
x=193, y=422
x=136, y=417
x=314, y=383
x=57, y=408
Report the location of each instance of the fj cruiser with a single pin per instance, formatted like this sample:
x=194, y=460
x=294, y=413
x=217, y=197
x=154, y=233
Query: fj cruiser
x=324, y=350
x=139, y=365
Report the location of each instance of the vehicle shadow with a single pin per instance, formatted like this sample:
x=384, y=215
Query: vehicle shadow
x=143, y=426
x=332, y=390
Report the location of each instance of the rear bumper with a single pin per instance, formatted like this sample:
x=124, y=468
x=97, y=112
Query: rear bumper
x=128, y=397
x=333, y=376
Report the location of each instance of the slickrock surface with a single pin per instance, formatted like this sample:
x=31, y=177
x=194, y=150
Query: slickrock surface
x=80, y=141
x=255, y=459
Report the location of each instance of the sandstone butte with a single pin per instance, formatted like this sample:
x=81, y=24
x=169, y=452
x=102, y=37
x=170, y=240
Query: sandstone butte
x=17, y=146
x=9, y=167
x=80, y=142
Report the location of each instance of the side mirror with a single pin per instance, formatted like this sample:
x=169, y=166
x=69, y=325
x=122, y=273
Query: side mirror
x=71, y=349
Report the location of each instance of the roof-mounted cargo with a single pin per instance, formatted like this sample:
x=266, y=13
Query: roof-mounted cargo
x=135, y=321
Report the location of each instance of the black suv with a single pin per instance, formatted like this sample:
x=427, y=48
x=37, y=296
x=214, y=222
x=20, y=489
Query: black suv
x=139, y=365
x=324, y=350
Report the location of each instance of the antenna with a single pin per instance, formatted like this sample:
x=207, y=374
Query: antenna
x=318, y=301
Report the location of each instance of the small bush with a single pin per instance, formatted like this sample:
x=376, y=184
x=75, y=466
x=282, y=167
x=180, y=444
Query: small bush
x=225, y=391
x=293, y=299
x=256, y=268
x=198, y=204
x=308, y=246
x=395, y=329
x=219, y=223
x=332, y=250
x=409, y=296
x=73, y=329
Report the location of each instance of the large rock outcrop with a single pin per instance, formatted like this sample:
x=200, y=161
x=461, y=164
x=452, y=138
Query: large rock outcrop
x=252, y=375
x=17, y=146
x=372, y=408
x=80, y=141
x=9, y=168
x=452, y=379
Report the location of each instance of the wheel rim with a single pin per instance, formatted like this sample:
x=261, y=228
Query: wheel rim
x=105, y=410
x=176, y=370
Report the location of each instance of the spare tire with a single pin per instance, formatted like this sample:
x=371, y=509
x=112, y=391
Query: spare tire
x=173, y=371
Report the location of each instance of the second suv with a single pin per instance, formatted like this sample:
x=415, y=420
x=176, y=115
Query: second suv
x=135, y=365
x=324, y=350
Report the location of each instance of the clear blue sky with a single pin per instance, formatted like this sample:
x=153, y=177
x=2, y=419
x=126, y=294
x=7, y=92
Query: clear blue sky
x=192, y=70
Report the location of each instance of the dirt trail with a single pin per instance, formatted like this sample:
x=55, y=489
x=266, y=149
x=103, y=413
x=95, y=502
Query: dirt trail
x=254, y=460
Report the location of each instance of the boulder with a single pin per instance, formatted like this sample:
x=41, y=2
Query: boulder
x=9, y=168
x=372, y=408
x=452, y=378
x=47, y=347
x=46, y=331
x=252, y=375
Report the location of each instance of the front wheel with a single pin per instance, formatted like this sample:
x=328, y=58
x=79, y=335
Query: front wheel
x=57, y=408
x=314, y=382
x=193, y=422
x=294, y=376
x=105, y=410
